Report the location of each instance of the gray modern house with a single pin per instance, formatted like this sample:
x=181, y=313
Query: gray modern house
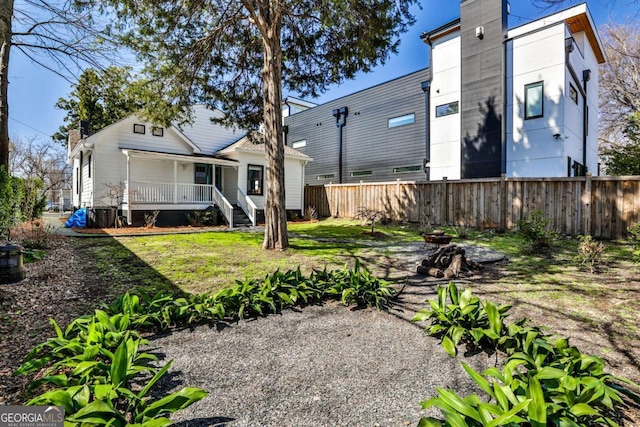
x=521, y=102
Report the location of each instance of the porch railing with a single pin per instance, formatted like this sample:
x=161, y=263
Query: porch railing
x=224, y=205
x=141, y=192
x=152, y=192
x=247, y=205
x=194, y=193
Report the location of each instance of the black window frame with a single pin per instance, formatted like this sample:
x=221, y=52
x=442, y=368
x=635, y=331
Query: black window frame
x=139, y=128
x=89, y=165
x=251, y=190
x=359, y=174
x=157, y=131
x=407, y=169
x=325, y=177
x=448, y=111
x=527, y=87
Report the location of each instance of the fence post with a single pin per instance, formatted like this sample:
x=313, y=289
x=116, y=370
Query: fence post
x=445, y=192
x=586, y=206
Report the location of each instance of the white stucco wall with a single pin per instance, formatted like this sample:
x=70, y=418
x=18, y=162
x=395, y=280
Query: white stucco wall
x=533, y=150
x=445, y=88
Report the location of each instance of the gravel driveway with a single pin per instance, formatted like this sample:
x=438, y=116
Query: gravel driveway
x=321, y=366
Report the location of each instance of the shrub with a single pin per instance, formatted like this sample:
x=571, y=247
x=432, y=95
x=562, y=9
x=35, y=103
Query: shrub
x=311, y=213
x=150, y=218
x=8, y=205
x=371, y=216
x=590, y=252
x=201, y=218
x=634, y=237
x=536, y=231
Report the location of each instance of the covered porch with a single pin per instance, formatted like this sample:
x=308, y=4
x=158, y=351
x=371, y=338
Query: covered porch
x=176, y=182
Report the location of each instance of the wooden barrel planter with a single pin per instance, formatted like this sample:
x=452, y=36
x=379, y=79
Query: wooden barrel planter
x=11, y=268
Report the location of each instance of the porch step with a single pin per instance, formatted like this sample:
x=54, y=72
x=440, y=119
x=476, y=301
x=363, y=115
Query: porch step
x=240, y=219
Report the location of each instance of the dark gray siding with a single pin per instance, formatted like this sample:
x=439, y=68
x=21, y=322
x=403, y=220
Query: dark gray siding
x=368, y=143
x=482, y=97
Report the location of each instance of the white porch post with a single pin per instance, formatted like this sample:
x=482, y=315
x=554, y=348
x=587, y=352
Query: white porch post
x=129, y=198
x=175, y=181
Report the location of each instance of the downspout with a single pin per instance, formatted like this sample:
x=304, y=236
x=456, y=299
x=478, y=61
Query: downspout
x=586, y=76
x=285, y=134
x=426, y=86
x=341, y=120
x=128, y=189
x=80, y=183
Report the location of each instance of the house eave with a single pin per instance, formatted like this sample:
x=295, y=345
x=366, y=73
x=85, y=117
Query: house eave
x=177, y=157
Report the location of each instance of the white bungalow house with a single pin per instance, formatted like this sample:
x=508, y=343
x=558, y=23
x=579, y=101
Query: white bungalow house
x=177, y=170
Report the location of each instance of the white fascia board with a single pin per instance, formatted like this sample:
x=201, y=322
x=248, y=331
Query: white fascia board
x=187, y=141
x=179, y=157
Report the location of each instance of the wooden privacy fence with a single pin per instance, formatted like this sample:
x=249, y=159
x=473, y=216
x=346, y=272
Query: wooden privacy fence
x=600, y=206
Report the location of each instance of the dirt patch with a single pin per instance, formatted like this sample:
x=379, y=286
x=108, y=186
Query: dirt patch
x=60, y=286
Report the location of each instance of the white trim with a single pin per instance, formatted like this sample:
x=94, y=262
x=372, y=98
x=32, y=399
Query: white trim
x=177, y=157
x=184, y=138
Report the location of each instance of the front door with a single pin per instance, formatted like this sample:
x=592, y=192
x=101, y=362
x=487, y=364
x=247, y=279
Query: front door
x=218, y=180
x=203, y=174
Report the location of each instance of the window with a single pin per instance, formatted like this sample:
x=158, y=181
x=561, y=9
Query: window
x=361, y=173
x=579, y=169
x=533, y=100
x=89, y=165
x=573, y=94
x=299, y=144
x=157, y=131
x=447, y=109
x=328, y=176
x=407, y=119
x=138, y=128
x=255, y=180
x=78, y=180
x=407, y=169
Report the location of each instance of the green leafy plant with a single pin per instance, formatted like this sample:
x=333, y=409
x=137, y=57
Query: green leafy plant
x=461, y=317
x=114, y=404
x=590, y=252
x=544, y=380
x=358, y=286
x=535, y=229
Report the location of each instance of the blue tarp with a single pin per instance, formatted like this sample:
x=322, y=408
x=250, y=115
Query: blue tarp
x=78, y=219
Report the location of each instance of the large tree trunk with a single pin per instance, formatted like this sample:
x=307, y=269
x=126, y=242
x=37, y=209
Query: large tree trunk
x=6, y=12
x=275, y=233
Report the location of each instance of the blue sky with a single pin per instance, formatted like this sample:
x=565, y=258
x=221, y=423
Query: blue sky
x=34, y=91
